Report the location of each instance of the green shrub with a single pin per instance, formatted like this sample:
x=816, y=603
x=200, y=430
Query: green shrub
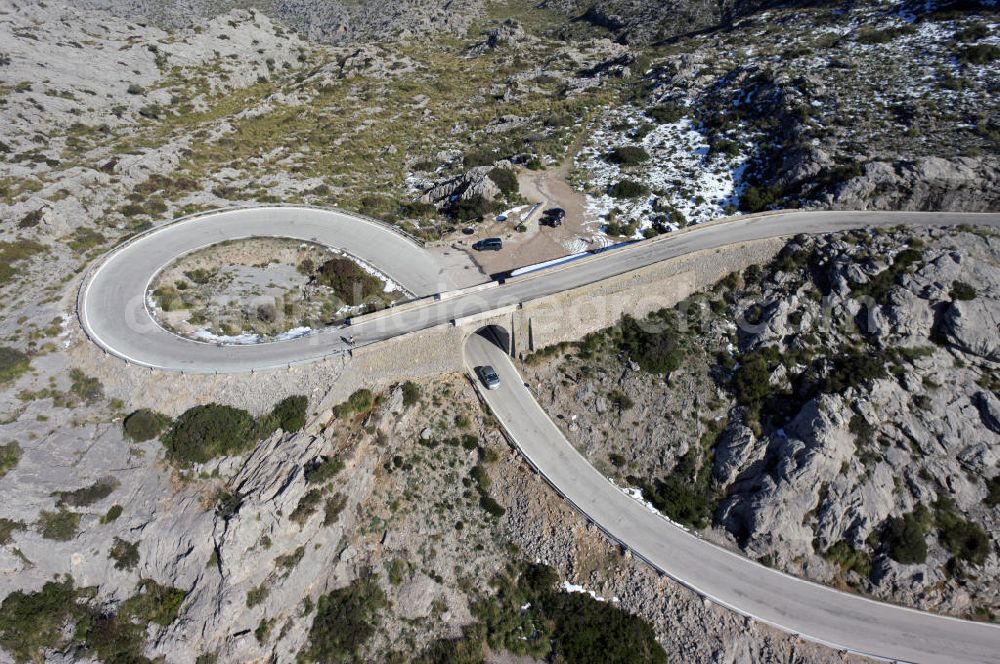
x=204, y=432
x=7, y=529
x=124, y=553
x=308, y=504
x=326, y=469
x=679, y=500
x=154, y=603
x=257, y=595
x=290, y=413
x=849, y=558
x=288, y=561
x=13, y=362
x=755, y=199
x=962, y=291
x=144, y=424
x=505, y=179
x=904, y=536
x=470, y=209
x=11, y=254
x=753, y=380
x=628, y=189
x=667, y=113
x=411, y=393
x=33, y=622
x=59, y=618
x=334, y=505
x=491, y=506
x=361, y=401
x=349, y=281
x=479, y=157
x=980, y=54
x=628, y=154
x=993, y=491
x=530, y=616
x=87, y=495
x=653, y=344
x=345, y=620
x=965, y=540
x=113, y=513
x=60, y=526
x=10, y=454
x=879, y=286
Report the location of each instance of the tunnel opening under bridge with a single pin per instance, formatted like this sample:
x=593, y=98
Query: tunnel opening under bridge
x=498, y=336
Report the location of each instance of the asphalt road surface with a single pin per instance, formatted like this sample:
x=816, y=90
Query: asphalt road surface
x=113, y=303
x=818, y=613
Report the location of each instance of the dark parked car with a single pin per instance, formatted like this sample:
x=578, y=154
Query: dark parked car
x=489, y=244
x=553, y=217
x=489, y=377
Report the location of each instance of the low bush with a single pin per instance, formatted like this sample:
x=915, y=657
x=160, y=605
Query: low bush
x=325, y=469
x=980, y=54
x=654, y=343
x=962, y=291
x=905, y=536
x=10, y=455
x=11, y=254
x=290, y=413
x=360, y=401
x=628, y=154
x=345, y=620
x=60, y=526
x=113, y=513
x=411, y=393
x=334, y=505
x=667, y=113
x=628, y=189
x=349, y=281
x=88, y=495
x=491, y=506
x=7, y=529
x=993, y=491
x=204, y=432
x=308, y=504
x=470, y=209
x=256, y=595
x=144, y=424
x=531, y=616
x=965, y=540
x=505, y=179
x=849, y=558
x=124, y=553
x=13, y=363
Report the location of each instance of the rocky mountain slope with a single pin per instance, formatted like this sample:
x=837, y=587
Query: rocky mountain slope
x=833, y=414
x=334, y=21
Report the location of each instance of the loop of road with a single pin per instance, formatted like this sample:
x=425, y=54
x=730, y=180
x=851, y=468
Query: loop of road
x=113, y=311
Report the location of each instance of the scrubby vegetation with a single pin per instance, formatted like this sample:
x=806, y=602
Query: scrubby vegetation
x=360, y=402
x=345, y=620
x=88, y=495
x=10, y=454
x=290, y=413
x=628, y=189
x=530, y=616
x=13, y=363
x=350, y=281
x=144, y=424
x=628, y=154
x=63, y=618
x=205, y=432
x=60, y=525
